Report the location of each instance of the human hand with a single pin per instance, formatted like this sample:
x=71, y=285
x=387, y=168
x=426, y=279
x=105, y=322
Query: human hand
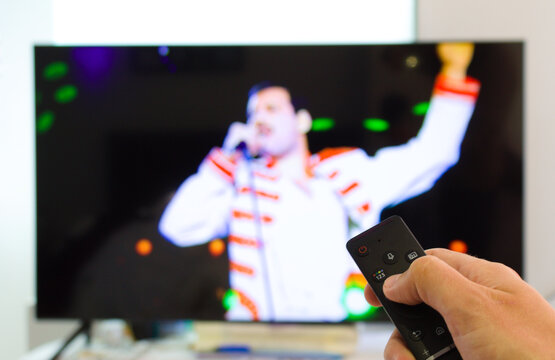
x=237, y=133
x=455, y=58
x=489, y=310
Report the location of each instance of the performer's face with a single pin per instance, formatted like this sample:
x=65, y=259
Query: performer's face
x=273, y=116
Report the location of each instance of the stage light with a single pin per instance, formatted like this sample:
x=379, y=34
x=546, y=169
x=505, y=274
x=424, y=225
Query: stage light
x=322, y=124
x=353, y=298
x=55, y=70
x=163, y=50
x=143, y=247
x=458, y=246
x=421, y=109
x=216, y=247
x=93, y=64
x=376, y=125
x=45, y=121
x=356, y=305
x=65, y=94
x=230, y=299
x=411, y=61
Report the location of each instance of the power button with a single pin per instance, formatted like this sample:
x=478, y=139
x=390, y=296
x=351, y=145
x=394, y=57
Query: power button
x=362, y=251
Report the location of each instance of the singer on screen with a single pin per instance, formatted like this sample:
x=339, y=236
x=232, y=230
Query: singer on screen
x=287, y=213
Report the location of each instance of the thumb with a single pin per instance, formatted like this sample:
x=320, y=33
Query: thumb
x=434, y=282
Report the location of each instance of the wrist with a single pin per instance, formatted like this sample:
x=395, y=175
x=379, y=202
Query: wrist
x=453, y=72
x=222, y=163
x=465, y=87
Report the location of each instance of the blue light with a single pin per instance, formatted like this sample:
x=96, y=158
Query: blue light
x=163, y=50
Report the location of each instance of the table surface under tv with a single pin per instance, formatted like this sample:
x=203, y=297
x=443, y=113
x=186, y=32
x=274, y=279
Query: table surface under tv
x=286, y=342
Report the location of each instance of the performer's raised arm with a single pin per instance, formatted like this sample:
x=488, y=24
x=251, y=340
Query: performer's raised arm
x=400, y=172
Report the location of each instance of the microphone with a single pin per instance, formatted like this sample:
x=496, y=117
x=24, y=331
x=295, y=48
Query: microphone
x=242, y=147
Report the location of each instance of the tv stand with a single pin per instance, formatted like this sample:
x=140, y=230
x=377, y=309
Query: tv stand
x=210, y=340
x=84, y=328
x=332, y=338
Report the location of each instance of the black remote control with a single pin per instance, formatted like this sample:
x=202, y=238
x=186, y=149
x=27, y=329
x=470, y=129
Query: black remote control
x=387, y=249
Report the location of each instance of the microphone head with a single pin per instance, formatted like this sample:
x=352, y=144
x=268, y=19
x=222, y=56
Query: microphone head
x=242, y=146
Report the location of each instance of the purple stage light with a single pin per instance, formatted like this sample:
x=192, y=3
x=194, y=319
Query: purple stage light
x=94, y=63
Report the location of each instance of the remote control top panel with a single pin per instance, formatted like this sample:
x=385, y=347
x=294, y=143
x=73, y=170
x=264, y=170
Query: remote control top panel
x=389, y=248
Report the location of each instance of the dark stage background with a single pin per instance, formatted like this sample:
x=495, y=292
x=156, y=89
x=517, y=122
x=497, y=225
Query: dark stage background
x=137, y=121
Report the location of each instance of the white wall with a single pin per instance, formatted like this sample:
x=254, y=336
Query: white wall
x=25, y=21
x=239, y=21
x=532, y=21
x=19, y=28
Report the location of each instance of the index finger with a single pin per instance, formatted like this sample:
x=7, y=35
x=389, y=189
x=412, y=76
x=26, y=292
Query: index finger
x=431, y=280
x=371, y=296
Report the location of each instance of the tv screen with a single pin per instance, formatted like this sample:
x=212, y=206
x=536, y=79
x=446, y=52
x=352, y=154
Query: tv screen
x=222, y=182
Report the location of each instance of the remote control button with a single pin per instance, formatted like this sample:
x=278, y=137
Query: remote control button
x=379, y=275
x=440, y=330
x=411, y=255
x=362, y=251
x=390, y=257
x=416, y=335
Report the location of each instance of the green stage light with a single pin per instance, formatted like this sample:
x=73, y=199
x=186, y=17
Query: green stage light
x=376, y=125
x=322, y=124
x=421, y=109
x=356, y=305
x=65, y=94
x=230, y=299
x=55, y=70
x=45, y=121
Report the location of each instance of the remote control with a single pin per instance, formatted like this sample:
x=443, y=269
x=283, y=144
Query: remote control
x=387, y=249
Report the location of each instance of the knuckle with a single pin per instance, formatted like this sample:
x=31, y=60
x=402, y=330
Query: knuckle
x=504, y=269
x=436, y=251
x=423, y=267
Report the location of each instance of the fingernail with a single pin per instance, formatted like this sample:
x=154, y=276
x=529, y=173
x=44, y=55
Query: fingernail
x=390, y=281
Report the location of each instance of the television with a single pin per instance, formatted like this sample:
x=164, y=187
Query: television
x=149, y=208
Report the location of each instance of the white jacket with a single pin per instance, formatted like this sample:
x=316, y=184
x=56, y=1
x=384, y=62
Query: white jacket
x=286, y=242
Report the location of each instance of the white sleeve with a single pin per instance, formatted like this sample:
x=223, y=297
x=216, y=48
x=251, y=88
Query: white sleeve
x=200, y=209
x=367, y=184
x=407, y=170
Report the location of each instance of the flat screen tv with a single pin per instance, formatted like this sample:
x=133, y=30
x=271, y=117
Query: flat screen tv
x=222, y=182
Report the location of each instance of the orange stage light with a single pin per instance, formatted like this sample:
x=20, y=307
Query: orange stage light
x=458, y=246
x=143, y=247
x=216, y=247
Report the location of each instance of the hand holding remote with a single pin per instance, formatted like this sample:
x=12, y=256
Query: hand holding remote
x=490, y=311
